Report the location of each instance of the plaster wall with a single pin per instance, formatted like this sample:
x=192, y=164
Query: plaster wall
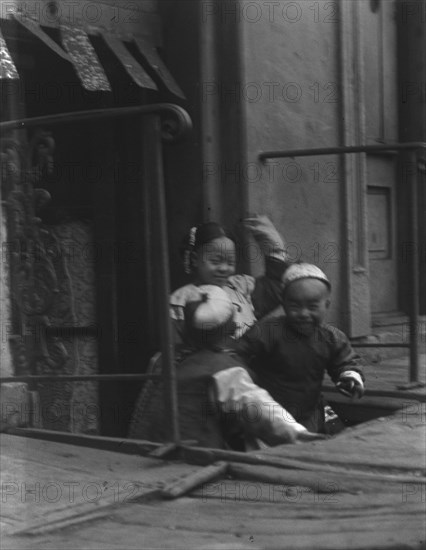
x=291, y=97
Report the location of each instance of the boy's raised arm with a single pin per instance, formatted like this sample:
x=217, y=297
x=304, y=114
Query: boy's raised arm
x=266, y=295
x=267, y=237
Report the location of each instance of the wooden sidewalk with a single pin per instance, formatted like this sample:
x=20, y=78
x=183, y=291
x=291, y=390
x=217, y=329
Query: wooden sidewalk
x=364, y=488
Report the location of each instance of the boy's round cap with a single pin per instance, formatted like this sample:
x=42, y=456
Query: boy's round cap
x=303, y=271
x=213, y=310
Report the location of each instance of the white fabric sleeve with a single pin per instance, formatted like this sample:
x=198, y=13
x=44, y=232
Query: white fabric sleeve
x=260, y=415
x=267, y=237
x=352, y=375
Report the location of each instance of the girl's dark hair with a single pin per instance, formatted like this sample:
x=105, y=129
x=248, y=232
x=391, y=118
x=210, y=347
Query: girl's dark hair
x=198, y=236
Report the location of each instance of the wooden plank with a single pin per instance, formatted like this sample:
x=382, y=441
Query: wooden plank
x=242, y=499
x=75, y=459
x=348, y=482
x=130, y=446
x=84, y=512
x=394, y=443
x=191, y=481
x=258, y=518
x=295, y=501
x=113, y=534
x=349, y=451
x=254, y=527
x=164, y=450
x=190, y=523
x=51, y=484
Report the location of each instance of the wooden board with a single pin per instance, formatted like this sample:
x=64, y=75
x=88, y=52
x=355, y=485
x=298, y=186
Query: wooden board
x=194, y=523
x=45, y=482
x=393, y=443
x=251, y=511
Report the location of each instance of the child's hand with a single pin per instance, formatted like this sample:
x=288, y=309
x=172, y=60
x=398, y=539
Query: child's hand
x=267, y=237
x=350, y=384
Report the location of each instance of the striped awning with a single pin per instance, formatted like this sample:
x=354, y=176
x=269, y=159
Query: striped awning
x=77, y=49
x=7, y=66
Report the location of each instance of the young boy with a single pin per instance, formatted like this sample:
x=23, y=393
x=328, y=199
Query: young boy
x=208, y=412
x=290, y=354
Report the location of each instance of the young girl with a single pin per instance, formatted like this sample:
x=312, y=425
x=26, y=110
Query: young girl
x=210, y=258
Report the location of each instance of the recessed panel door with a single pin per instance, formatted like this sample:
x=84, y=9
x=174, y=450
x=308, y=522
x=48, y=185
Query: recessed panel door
x=379, y=51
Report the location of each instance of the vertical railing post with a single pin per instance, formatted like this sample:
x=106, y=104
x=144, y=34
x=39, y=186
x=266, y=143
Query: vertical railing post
x=414, y=268
x=153, y=159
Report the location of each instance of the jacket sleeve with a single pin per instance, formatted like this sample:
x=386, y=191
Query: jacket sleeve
x=177, y=302
x=254, y=343
x=266, y=295
x=343, y=358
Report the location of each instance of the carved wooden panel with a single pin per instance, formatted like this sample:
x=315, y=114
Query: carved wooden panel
x=52, y=290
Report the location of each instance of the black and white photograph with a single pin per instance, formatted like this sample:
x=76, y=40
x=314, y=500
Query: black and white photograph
x=213, y=274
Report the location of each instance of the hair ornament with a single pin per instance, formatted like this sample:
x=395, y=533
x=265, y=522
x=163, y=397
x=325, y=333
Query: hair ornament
x=192, y=235
x=189, y=249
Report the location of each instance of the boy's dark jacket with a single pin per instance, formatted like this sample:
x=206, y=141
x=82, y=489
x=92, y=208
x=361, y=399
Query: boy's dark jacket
x=291, y=366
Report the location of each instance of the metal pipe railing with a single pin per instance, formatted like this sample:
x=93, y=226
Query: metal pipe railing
x=154, y=164
x=412, y=148
x=377, y=345
x=181, y=120
x=311, y=151
x=168, y=121
x=79, y=377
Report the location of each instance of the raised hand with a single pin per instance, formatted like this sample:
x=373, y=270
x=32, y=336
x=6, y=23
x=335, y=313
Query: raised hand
x=267, y=237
